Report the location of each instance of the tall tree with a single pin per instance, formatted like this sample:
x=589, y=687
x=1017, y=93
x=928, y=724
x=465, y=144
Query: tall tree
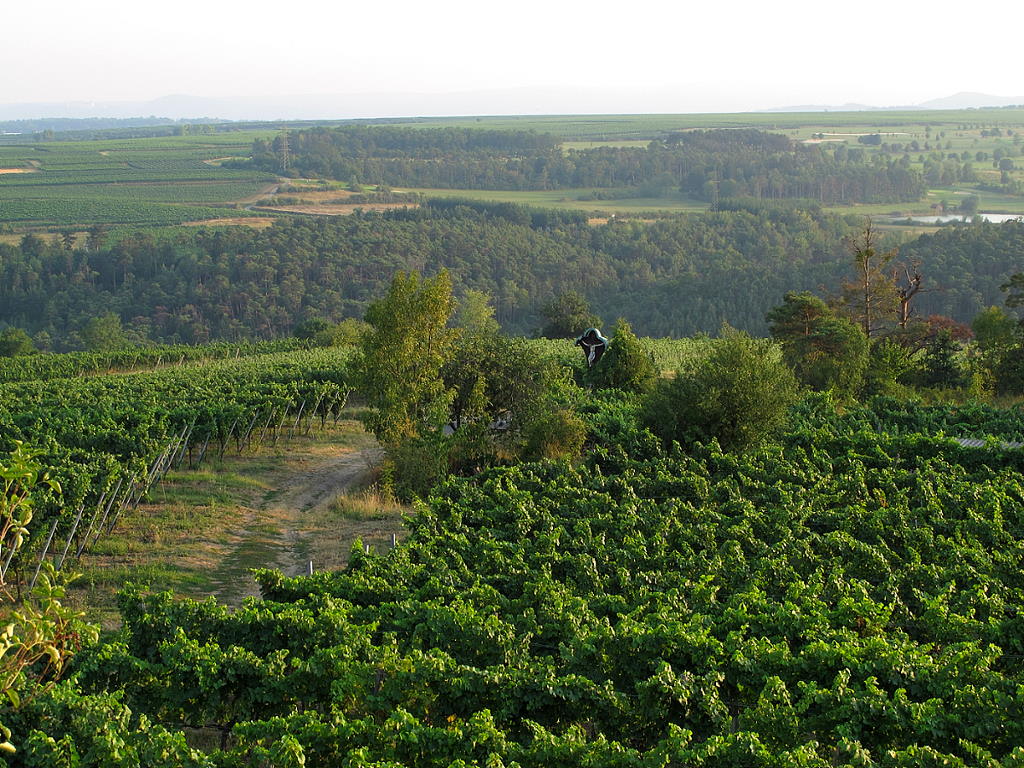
x=403, y=354
x=14, y=342
x=871, y=298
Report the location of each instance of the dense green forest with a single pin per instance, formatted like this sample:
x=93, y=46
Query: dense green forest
x=671, y=277
x=705, y=165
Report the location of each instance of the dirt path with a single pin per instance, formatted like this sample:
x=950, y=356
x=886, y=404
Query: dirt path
x=292, y=525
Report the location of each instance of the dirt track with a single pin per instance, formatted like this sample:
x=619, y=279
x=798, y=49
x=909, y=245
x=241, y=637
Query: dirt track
x=289, y=528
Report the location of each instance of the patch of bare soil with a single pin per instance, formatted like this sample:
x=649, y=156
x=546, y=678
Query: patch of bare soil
x=333, y=210
x=255, y=222
x=288, y=528
x=18, y=170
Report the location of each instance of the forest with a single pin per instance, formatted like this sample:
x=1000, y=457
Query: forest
x=670, y=277
x=705, y=165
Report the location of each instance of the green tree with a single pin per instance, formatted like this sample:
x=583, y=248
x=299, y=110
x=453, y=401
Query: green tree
x=969, y=205
x=103, y=333
x=14, y=342
x=502, y=391
x=1014, y=289
x=476, y=314
x=888, y=362
x=626, y=364
x=402, y=356
x=824, y=350
x=941, y=366
x=740, y=396
x=567, y=315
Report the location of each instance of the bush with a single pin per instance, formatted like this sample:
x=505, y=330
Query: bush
x=740, y=395
x=1010, y=372
x=626, y=365
x=555, y=435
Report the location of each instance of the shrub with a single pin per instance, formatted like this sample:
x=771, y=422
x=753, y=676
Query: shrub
x=740, y=395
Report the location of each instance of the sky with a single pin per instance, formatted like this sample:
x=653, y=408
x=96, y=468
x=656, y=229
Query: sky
x=617, y=56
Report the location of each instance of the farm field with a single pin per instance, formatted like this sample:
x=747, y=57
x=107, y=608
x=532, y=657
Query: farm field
x=617, y=128
x=145, y=181
x=158, y=181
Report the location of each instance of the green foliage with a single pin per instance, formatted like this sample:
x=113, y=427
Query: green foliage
x=15, y=342
x=567, y=315
x=403, y=354
x=848, y=596
x=671, y=277
x=625, y=365
x=102, y=437
x=825, y=351
x=702, y=164
x=40, y=633
x=1009, y=371
x=103, y=333
x=941, y=365
x=738, y=396
x=1014, y=288
x=888, y=363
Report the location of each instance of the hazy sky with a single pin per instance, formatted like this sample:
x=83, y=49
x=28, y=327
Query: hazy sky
x=673, y=56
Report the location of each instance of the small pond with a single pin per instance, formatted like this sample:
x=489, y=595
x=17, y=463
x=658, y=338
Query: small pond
x=995, y=218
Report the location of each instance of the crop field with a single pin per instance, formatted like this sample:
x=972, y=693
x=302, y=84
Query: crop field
x=168, y=180
x=624, y=127
x=154, y=181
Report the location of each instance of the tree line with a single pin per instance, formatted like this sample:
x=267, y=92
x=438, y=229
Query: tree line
x=672, y=277
x=707, y=165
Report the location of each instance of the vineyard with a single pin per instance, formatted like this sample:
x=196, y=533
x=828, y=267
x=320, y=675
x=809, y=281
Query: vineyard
x=125, y=181
x=848, y=596
x=73, y=364
x=106, y=439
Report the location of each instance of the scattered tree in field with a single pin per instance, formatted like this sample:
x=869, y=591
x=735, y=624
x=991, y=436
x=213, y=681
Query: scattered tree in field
x=402, y=356
x=103, y=333
x=626, y=365
x=969, y=205
x=740, y=396
x=504, y=393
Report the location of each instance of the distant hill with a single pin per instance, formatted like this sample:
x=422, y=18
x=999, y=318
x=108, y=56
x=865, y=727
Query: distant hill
x=962, y=100
x=971, y=100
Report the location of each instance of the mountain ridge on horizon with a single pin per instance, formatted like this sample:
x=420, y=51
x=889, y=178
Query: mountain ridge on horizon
x=529, y=101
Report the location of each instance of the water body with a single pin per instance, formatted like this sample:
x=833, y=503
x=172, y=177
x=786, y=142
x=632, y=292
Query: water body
x=994, y=218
